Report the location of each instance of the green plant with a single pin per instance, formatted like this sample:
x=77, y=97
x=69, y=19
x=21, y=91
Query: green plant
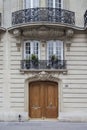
x=34, y=60
x=34, y=57
x=54, y=58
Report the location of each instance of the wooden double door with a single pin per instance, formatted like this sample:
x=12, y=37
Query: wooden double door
x=43, y=100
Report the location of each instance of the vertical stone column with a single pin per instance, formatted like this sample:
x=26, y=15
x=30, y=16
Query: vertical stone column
x=6, y=74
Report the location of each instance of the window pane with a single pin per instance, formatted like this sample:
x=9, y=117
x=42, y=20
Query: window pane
x=27, y=3
x=49, y=3
x=27, y=50
x=50, y=49
x=31, y=3
x=35, y=48
x=54, y=3
x=35, y=3
x=57, y=3
x=59, y=50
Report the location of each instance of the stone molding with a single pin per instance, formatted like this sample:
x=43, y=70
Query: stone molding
x=16, y=32
x=69, y=33
x=43, y=76
x=43, y=33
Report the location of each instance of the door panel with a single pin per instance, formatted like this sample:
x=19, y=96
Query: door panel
x=35, y=101
x=43, y=100
x=51, y=107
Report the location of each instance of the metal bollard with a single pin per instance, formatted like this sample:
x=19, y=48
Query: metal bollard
x=19, y=118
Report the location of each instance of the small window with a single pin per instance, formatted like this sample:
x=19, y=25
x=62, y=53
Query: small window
x=55, y=48
x=31, y=3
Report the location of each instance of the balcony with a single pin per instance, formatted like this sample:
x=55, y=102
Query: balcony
x=85, y=19
x=43, y=15
x=43, y=65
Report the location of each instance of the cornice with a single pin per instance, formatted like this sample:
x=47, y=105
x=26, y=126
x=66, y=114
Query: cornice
x=53, y=25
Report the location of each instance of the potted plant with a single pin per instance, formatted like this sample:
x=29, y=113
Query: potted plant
x=54, y=58
x=34, y=60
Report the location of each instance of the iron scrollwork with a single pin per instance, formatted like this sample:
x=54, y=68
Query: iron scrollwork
x=51, y=15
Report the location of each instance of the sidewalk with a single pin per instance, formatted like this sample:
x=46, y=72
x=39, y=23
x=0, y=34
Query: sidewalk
x=42, y=125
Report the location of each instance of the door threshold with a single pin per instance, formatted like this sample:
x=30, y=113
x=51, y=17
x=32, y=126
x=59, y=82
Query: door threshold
x=43, y=119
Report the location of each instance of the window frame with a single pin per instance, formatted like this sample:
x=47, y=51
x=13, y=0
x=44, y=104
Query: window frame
x=54, y=48
x=32, y=48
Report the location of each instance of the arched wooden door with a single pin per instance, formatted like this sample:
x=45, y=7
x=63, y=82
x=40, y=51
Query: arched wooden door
x=43, y=100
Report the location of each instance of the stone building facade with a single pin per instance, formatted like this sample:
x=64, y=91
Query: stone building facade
x=43, y=60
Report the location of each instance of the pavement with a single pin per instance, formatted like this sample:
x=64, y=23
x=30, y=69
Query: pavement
x=42, y=125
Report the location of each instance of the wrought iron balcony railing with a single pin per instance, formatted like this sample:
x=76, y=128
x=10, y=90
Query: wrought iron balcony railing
x=43, y=64
x=51, y=15
x=85, y=18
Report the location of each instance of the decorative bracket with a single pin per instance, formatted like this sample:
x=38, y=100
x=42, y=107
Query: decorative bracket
x=17, y=35
x=68, y=45
x=69, y=35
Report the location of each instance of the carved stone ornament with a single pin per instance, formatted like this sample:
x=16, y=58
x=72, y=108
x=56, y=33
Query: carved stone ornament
x=43, y=76
x=16, y=32
x=69, y=33
x=68, y=45
x=43, y=33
